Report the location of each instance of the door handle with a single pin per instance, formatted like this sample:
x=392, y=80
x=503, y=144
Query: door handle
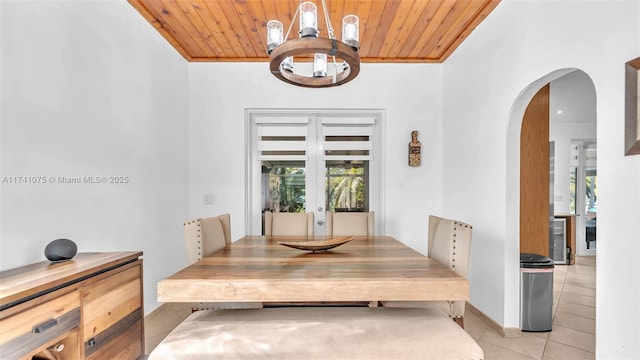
x=320, y=222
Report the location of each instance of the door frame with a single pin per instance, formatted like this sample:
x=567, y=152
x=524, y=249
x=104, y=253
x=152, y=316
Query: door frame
x=253, y=220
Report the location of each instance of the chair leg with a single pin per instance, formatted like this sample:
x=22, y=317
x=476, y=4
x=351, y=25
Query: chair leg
x=459, y=321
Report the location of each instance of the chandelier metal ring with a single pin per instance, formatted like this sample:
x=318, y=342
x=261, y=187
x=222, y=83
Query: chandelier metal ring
x=310, y=45
x=344, y=54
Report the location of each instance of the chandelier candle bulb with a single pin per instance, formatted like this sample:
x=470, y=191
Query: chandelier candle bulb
x=308, y=19
x=287, y=64
x=319, y=65
x=274, y=34
x=351, y=31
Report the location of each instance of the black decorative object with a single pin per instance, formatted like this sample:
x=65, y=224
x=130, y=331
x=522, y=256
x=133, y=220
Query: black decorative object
x=60, y=250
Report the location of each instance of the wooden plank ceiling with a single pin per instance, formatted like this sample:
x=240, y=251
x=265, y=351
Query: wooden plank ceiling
x=390, y=30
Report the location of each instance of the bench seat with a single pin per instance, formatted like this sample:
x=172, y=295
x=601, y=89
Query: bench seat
x=318, y=333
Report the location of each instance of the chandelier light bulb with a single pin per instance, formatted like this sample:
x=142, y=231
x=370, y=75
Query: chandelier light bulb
x=308, y=19
x=319, y=65
x=274, y=34
x=351, y=31
x=287, y=64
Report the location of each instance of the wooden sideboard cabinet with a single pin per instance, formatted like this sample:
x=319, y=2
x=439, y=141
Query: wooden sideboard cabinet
x=89, y=307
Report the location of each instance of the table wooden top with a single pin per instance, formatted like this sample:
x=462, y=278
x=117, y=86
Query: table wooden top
x=258, y=269
x=28, y=281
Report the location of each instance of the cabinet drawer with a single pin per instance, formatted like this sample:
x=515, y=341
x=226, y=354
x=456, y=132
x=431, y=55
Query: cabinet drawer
x=112, y=316
x=26, y=331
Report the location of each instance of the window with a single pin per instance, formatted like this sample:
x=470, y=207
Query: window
x=346, y=186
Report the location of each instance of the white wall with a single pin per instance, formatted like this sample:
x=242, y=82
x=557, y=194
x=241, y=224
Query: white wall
x=90, y=89
x=410, y=94
x=520, y=42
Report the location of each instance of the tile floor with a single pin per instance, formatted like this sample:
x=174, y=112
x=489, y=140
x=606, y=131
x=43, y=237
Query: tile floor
x=574, y=324
x=572, y=338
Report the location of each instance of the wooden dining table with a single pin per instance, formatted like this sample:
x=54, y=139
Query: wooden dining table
x=259, y=269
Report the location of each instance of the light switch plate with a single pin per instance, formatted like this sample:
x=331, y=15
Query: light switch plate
x=208, y=199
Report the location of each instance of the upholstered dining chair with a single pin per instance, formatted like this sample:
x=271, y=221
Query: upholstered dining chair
x=351, y=223
x=449, y=243
x=282, y=223
x=204, y=236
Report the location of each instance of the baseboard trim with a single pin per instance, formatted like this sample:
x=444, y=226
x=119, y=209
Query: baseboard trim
x=505, y=332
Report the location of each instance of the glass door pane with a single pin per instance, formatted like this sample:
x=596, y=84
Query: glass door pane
x=284, y=185
x=573, y=186
x=346, y=186
x=591, y=206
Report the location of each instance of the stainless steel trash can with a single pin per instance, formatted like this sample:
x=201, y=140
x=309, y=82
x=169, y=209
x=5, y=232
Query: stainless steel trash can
x=536, y=292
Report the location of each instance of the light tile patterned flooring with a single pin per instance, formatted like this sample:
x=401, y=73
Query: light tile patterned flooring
x=572, y=338
x=574, y=324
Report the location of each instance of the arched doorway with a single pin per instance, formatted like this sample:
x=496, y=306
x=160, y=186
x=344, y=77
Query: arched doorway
x=513, y=183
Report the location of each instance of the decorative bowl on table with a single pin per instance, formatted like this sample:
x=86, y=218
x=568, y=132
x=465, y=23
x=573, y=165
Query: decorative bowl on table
x=317, y=245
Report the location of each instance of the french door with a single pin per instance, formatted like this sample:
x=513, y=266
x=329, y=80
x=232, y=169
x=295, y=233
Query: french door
x=584, y=194
x=313, y=161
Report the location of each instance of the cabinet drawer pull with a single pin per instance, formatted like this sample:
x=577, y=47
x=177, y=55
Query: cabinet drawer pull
x=44, y=326
x=57, y=348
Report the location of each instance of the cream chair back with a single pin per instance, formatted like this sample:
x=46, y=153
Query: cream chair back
x=450, y=244
x=204, y=236
x=351, y=224
x=288, y=223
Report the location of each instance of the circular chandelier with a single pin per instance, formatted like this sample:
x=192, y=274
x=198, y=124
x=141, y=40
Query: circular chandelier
x=334, y=62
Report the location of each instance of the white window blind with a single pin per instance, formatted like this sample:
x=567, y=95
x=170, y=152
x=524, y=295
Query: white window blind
x=282, y=138
x=587, y=151
x=347, y=138
x=574, y=159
